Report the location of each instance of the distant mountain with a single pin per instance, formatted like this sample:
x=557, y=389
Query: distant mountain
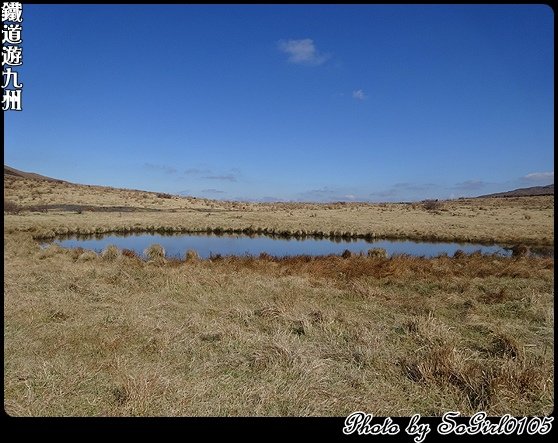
x=17, y=173
x=524, y=192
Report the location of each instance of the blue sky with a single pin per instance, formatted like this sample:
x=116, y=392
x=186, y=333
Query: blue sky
x=288, y=102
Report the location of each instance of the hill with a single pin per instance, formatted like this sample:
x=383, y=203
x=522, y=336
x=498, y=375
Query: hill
x=8, y=170
x=524, y=192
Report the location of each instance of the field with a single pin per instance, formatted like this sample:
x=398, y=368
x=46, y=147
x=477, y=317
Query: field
x=90, y=334
x=94, y=209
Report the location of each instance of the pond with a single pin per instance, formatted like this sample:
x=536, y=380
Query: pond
x=206, y=245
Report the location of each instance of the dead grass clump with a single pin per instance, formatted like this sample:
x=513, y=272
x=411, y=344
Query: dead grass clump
x=432, y=205
x=504, y=345
x=507, y=377
x=346, y=254
x=520, y=250
x=191, y=255
x=155, y=252
x=87, y=256
x=76, y=252
x=445, y=366
x=377, y=253
x=525, y=378
x=111, y=252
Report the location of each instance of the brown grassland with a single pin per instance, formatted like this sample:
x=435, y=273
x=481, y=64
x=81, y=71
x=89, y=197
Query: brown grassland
x=110, y=334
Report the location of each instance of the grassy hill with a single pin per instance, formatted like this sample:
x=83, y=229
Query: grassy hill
x=524, y=192
x=13, y=172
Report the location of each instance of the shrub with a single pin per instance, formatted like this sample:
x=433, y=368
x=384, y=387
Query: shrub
x=347, y=254
x=111, y=252
x=431, y=205
x=155, y=252
x=377, y=253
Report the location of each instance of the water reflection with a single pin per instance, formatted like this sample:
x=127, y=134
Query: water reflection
x=208, y=244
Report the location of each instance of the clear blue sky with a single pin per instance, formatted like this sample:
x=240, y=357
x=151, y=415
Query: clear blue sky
x=288, y=102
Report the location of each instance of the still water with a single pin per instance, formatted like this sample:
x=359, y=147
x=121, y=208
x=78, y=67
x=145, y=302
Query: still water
x=207, y=244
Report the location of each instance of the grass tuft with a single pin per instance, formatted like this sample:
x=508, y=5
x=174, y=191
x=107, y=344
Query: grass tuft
x=377, y=253
x=155, y=252
x=432, y=205
x=87, y=256
x=191, y=255
x=111, y=252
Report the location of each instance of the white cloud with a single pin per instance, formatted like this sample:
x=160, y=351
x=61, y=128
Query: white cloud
x=359, y=94
x=302, y=52
x=539, y=176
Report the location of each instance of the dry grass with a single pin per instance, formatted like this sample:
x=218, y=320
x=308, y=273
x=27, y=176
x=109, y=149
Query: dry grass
x=112, y=334
x=528, y=220
x=296, y=336
x=191, y=255
x=155, y=252
x=377, y=252
x=111, y=252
